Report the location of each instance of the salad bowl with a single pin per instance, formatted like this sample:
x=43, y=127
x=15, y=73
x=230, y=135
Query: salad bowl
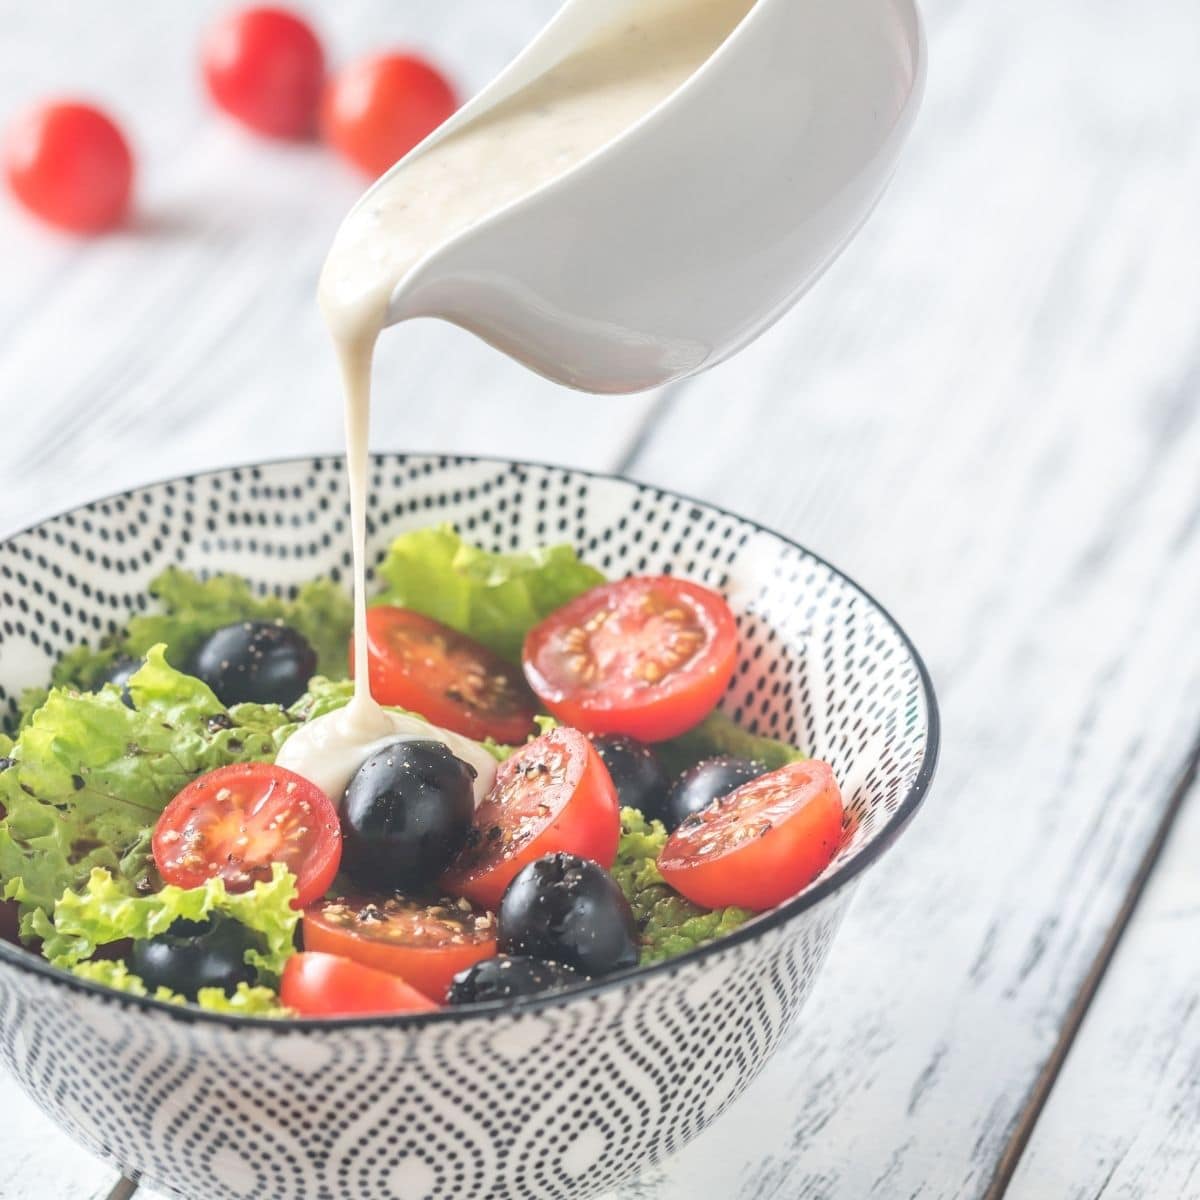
x=562, y=1096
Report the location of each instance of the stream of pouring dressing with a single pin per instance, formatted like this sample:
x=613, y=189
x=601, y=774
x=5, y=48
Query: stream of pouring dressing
x=503, y=155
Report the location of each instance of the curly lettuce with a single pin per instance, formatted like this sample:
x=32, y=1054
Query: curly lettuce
x=668, y=924
x=192, y=608
x=88, y=776
x=103, y=912
x=495, y=598
x=246, y=1001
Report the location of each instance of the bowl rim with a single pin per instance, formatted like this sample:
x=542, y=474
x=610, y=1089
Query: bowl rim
x=24, y=960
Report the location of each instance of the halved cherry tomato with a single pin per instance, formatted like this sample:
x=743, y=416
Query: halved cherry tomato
x=234, y=822
x=425, y=944
x=379, y=108
x=324, y=985
x=70, y=164
x=760, y=844
x=445, y=676
x=265, y=66
x=552, y=794
x=645, y=656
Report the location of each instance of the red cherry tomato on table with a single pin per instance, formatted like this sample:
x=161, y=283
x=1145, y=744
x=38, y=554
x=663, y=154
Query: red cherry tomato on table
x=553, y=794
x=236, y=821
x=265, y=66
x=378, y=109
x=646, y=656
x=760, y=844
x=425, y=944
x=323, y=985
x=70, y=164
x=450, y=679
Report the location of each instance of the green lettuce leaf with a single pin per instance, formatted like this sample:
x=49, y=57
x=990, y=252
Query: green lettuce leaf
x=115, y=974
x=495, y=598
x=323, y=696
x=88, y=777
x=246, y=1001
x=103, y=911
x=668, y=923
x=192, y=608
x=717, y=734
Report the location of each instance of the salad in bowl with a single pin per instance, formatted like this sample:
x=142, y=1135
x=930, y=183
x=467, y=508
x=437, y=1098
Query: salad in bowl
x=156, y=839
x=152, y=1020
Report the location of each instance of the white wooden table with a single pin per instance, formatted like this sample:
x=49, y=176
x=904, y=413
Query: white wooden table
x=989, y=412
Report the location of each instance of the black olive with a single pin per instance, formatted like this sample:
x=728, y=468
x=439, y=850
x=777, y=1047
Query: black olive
x=196, y=954
x=259, y=662
x=10, y=922
x=571, y=911
x=405, y=815
x=121, y=671
x=637, y=774
x=700, y=785
x=510, y=977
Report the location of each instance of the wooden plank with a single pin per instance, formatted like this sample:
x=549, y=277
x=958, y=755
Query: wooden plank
x=1122, y=1118
x=987, y=413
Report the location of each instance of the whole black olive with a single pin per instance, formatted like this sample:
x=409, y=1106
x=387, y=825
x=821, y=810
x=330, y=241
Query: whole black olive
x=700, y=785
x=637, y=774
x=405, y=815
x=259, y=662
x=571, y=911
x=509, y=977
x=196, y=954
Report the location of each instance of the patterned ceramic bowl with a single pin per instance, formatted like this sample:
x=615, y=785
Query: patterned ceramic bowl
x=562, y=1097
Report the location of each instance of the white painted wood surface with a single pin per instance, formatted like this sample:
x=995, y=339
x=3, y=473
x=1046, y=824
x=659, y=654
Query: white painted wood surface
x=988, y=413
x=1124, y=1117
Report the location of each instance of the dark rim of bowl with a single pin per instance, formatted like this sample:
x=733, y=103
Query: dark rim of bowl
x=496, y=1010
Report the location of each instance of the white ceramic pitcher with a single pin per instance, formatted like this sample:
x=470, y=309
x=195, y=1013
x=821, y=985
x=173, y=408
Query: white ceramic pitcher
x=675, y=245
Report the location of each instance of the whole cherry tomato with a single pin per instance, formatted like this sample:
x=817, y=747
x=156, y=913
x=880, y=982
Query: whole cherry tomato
x=68, y=162
x=266, y=68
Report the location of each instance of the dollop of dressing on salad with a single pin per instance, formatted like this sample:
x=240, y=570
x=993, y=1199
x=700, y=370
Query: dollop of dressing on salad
x=329, y=750
x=533, y=137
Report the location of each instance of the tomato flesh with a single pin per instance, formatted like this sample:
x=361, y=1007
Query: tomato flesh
x=70, y=164
x=760, y=844
x=378, y=109
x=553, y=794
x=235, y=822
x=450, y=679
x=266, y=68
x=425, y=944
x=645, y=656
x=323, y=985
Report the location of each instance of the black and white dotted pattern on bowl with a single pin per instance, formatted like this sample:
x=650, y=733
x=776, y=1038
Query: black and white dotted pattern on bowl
x=556, y=1099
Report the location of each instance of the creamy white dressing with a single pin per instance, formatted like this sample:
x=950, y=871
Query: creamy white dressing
x=535, y=136
x=329, y=752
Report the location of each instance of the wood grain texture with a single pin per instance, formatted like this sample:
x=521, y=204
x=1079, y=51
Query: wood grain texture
x=1124, y=1117
x=987, y=412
